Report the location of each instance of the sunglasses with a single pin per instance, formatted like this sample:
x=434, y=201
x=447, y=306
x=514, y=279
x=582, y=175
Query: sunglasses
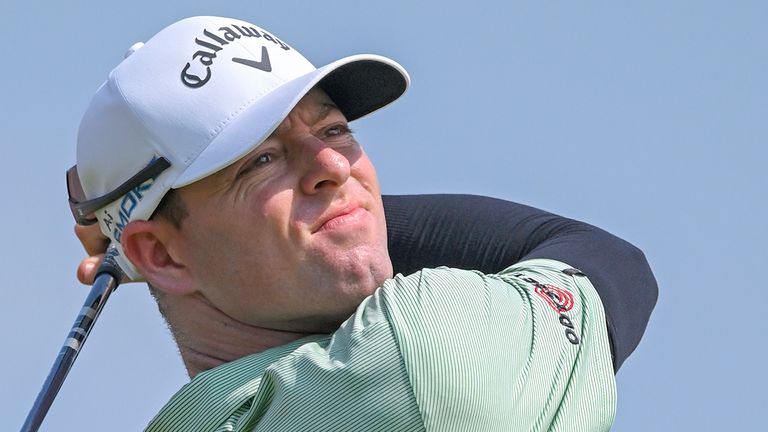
x=83, y=208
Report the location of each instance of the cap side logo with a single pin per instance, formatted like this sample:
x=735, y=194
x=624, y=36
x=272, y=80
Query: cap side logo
x=264, y=64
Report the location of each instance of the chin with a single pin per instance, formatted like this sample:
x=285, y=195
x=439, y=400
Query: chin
x=371, y=275
x=363, y=266
x=353, y=288
x=343, y=278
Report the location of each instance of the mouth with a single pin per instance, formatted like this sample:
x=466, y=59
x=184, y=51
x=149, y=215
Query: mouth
x=341, y=218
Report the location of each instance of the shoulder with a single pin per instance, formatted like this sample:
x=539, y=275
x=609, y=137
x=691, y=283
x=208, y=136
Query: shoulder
x=480, y=337
x=448, y=293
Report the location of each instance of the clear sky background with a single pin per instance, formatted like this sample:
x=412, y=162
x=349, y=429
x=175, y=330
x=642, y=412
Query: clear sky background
x=648, y=119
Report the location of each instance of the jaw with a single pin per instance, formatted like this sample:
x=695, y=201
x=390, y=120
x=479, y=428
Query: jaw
x=341, y=279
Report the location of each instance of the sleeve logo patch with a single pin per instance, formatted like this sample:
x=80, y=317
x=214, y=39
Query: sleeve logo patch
x=558, y=299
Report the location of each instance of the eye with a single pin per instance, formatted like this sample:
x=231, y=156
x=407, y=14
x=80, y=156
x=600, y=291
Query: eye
x=262, y=159
x=338, y=130
x=256, y=163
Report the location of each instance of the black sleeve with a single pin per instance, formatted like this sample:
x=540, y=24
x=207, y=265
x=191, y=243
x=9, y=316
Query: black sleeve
x=488, y=234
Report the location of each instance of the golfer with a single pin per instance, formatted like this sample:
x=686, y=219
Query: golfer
x=237, y=190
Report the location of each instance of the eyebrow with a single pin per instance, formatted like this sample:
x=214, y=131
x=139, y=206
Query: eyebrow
x=326, y=108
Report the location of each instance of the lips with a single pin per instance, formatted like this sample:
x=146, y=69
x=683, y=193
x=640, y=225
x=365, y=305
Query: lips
x=341, y=217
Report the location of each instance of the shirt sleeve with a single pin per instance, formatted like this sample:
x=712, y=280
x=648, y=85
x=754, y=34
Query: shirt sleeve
x=523, y=350
x=487, y=234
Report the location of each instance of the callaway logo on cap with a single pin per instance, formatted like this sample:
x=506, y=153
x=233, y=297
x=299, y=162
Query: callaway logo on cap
x=214, y=41
x=198, y=96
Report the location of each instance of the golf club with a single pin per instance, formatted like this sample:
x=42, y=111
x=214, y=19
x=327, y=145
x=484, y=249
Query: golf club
x=107, y=279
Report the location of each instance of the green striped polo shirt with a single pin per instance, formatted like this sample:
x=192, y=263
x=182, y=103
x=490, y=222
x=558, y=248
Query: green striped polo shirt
x=439, y=350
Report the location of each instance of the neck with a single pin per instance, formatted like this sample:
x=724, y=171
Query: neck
x=207, y=337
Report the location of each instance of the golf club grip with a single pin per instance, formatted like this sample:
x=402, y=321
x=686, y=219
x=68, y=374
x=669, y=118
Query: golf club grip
x=107, y=279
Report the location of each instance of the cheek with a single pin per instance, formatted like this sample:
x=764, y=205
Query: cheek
x=230, y=242
x=266, y=233
x=364, y=172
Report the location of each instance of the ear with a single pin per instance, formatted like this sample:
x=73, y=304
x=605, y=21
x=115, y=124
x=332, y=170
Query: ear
x=147, y=245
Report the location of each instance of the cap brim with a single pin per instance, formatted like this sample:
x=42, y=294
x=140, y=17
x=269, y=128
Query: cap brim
x=359, y=85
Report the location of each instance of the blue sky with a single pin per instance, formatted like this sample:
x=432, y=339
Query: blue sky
x=648, y=120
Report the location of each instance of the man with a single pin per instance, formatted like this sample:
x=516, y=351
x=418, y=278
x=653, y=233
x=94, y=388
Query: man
x=246, y=203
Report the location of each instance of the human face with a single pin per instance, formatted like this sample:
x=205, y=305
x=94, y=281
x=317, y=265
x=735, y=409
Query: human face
x=292, y=236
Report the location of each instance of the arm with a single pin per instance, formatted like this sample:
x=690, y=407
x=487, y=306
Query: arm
x=489, y=235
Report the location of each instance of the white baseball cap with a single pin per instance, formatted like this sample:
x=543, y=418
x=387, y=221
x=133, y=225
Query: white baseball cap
x=198, y=96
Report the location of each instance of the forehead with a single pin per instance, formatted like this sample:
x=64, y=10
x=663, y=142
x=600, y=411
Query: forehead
x=315, y=96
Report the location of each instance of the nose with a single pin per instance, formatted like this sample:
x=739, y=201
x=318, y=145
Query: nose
x=325, y=167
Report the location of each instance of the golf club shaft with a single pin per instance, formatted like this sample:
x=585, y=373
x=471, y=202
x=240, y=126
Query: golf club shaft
x=107, y=279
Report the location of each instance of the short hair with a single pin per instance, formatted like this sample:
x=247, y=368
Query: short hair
x=171, y=208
